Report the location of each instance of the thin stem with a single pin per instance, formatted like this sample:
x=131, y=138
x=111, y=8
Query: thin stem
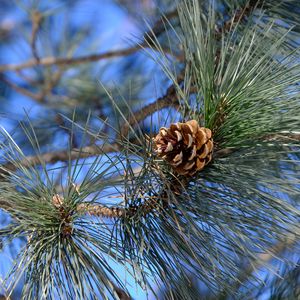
x=36, y=18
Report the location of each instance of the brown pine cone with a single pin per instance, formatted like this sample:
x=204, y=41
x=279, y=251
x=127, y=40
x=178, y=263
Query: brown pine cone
x=187, y=147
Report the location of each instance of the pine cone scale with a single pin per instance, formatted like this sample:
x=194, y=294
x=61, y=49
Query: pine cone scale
x=179, y=136
x=204, y=151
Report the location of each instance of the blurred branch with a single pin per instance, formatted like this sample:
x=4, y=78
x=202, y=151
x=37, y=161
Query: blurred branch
x=50, y=83
x=65, y=155
x=48, y=61
x=40, y=97
x=35, y=96
x=36, y=19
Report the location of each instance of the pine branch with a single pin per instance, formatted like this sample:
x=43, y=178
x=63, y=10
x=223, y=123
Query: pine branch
x=168, y=100
x=103, y=211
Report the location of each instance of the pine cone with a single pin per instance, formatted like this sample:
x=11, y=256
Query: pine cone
x=187, y=147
